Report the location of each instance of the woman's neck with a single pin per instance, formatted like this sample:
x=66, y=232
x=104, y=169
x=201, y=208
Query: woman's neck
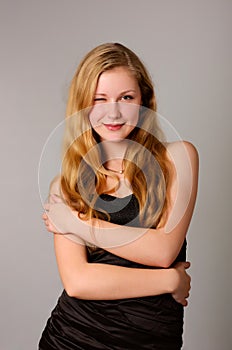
x=113, y=154
x=112, y=157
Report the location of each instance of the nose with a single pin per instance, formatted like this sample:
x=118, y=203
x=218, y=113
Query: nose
x=113, y=111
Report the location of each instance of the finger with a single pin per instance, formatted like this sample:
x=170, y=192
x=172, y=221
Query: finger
x=44, y=216
x=46, y=206
x=183, y=302
x=187, y=264
x=49, y=227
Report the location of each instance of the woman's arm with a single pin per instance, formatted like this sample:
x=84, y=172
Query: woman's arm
x=95, y=281
x=160, y=247
x=155, y=247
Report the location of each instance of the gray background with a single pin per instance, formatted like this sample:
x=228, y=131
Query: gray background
x=186, y=45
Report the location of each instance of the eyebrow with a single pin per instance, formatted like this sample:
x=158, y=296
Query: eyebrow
x=121, y=93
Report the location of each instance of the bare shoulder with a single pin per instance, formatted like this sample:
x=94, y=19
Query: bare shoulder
x=183, y=150
x=181, y=145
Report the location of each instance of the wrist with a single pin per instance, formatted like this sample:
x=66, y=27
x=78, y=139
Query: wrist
x=172, y=280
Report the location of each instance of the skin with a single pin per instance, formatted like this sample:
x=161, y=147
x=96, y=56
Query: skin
x=116, y=105
x=98, y=281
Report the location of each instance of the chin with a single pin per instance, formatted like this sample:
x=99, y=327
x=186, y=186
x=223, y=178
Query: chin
x=113, y=139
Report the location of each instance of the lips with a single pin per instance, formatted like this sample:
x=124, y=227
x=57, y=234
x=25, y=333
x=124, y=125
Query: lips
x=113, y=127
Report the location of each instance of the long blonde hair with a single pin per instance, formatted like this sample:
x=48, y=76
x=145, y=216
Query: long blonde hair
x=82, y=157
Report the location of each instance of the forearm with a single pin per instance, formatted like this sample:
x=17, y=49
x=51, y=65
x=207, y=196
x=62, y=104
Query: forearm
x=104, y=282
x=86, y=280
x=147, y=246
x=143, y=245
x=155, y=247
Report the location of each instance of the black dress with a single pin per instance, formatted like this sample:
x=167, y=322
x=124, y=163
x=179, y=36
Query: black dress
x=153, y=322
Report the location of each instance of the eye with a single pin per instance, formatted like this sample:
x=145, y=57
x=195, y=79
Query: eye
x=127, y=97
x=99, y=99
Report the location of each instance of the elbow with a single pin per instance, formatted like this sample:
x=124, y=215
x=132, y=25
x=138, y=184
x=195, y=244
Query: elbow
x=75, y=288
x=78, y=283
x=167, y=256
x=76, y=292
x=72, y=291
x=168, y=260
x=160, y=262
x=164, y=261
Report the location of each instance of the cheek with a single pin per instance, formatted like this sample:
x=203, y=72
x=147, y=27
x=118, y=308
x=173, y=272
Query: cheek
x=96, y=114
x=130, y=113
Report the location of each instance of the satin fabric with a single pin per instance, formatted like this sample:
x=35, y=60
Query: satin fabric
x=154, y=322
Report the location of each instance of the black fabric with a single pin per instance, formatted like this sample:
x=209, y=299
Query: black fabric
x=154, y=322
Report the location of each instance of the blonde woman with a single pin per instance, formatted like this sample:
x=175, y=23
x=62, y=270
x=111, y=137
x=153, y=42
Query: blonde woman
x=120, y=210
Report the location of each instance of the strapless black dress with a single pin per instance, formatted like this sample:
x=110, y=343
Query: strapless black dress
x=153, y=322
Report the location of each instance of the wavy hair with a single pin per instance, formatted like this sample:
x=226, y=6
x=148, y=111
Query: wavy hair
x=83, y=177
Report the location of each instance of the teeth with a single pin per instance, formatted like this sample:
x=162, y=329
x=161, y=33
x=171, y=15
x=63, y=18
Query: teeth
x=114, y=124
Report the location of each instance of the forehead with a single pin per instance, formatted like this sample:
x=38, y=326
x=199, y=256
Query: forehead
x=116, y=79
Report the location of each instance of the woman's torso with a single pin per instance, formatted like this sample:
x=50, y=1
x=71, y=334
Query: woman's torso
x=153, y=322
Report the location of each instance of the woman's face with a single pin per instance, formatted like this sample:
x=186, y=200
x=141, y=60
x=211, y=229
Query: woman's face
x=117, y=100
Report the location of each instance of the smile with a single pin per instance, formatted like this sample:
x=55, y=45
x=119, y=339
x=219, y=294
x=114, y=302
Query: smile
x=113, y=127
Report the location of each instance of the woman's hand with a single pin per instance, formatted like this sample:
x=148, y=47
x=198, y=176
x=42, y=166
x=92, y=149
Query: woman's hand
x=183, y=283
x=59, y=218
x=50, y=226
x=177, y=279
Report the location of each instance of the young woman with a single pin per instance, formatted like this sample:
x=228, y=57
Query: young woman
x=123, y=203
